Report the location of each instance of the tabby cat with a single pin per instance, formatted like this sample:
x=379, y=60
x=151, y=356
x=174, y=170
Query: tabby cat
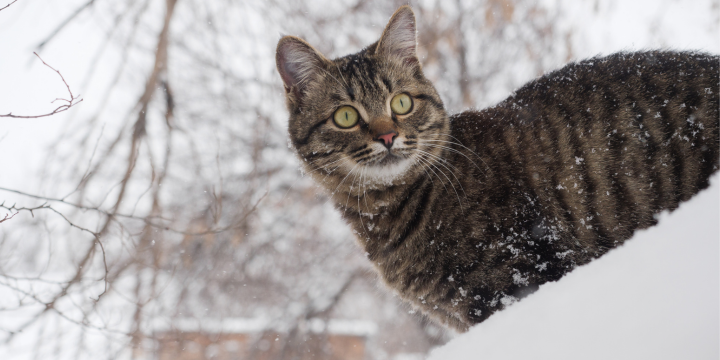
x=462, y=215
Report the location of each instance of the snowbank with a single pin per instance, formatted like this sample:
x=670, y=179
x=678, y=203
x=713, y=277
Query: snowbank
x=656, y=297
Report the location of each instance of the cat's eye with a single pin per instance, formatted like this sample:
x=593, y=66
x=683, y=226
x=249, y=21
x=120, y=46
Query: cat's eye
x=401, y=104
x=345, y=117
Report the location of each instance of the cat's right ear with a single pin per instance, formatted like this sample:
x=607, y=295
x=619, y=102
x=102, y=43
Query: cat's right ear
x=298, y=64
x=399, y=39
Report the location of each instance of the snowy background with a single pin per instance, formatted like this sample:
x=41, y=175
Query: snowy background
x=177, y=163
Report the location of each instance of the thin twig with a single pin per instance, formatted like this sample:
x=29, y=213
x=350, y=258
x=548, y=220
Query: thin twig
x=105, y=277
x=78, y=206
x=94, y=234
x=8, y=217
x=48, y=207
x=50, y=305
x=70, y=102
x=146, y=219
x=6, y=6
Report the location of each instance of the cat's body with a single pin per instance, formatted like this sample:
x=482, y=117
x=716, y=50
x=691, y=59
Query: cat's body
x=468, y=213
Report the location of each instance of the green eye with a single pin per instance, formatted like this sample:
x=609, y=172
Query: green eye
x=345, y=117
x=401, y=104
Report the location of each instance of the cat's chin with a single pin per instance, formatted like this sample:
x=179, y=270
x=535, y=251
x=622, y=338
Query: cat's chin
x=388, y=160
x=387, y=171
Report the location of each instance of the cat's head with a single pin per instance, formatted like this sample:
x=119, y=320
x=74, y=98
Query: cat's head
x=372, y=114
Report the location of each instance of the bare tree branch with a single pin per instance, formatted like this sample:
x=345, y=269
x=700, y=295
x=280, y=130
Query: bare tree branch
x=70, y=102
x=146, y=219
x=80, y=268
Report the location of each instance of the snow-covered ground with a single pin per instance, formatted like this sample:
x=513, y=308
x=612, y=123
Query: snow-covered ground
x=655, y=297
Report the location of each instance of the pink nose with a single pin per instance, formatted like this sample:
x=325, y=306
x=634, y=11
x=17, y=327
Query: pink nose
x=388, y=138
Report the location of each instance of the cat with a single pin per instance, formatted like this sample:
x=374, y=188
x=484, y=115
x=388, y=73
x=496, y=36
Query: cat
x=463, y=215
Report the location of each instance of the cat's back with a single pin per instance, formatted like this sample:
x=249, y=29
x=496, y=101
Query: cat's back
x=603, y=144
x=603, y=85
x=656, y=100
x=674, y=84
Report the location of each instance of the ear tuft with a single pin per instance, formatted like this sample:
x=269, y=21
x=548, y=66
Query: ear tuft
x=298, y=64
x=399, y=39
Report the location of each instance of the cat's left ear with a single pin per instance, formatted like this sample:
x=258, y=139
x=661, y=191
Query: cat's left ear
x=399, y=39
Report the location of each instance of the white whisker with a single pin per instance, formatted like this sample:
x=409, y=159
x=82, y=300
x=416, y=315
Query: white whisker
x=455, y=151
x=341, y=75
x=327, y=72
x=465, y=147
x=448, y=179
x=342, y=181
x=364, y=197
x=350, y=192
x=426, y=161
x=424, y=168
x=441, y=161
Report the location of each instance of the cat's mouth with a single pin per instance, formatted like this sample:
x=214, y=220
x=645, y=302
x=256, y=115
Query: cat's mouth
x=386, y=167
x=385, y=159
x=389, y=159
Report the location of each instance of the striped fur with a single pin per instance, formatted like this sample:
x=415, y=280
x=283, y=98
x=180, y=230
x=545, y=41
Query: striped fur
x=474, y=211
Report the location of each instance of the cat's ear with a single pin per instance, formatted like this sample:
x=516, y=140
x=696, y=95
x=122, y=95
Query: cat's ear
x=399, y=39
x=298, y=64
